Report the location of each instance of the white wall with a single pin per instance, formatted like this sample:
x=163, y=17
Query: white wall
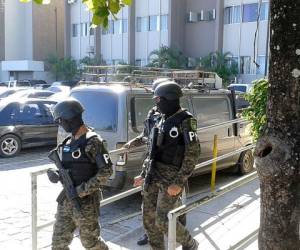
x=238, y=38
x=115, y=46
x=80, y=44
x=146, y=42
x=18, y=30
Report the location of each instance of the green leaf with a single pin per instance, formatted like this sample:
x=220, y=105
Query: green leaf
x=114, y=6
x=127, y=2
x=97, y=20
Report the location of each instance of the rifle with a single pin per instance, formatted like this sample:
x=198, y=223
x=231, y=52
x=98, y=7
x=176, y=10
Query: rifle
x=66, y=180
x=155, y=141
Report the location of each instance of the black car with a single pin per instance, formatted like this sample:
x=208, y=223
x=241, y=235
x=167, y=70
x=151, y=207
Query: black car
x=26, y=123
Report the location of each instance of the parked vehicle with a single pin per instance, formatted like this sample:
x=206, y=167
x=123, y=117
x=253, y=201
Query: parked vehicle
x=242, y=87
x=117, y=112
x=5, y=92
x=59, y=88
x=26, y=123
x=31, y=93
x=25, y=83
x=71, y=84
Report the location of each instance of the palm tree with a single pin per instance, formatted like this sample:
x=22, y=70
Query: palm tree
x=221, y=63
x=166, y=57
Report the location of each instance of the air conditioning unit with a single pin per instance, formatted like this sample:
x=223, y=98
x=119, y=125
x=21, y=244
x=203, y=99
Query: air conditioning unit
x=192, y=17
x=201, y=16
x=212, y=15
x=72, y=1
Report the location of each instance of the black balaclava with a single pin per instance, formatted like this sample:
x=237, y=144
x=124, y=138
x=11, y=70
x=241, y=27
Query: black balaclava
x=72, y=125
x=168, y=107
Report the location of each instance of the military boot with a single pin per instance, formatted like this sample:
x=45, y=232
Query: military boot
x=193, y=246
x=143, y=240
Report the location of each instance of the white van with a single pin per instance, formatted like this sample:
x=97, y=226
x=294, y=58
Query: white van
x=117, y=113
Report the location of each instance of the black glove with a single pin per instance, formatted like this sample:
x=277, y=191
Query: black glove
x=53, y=175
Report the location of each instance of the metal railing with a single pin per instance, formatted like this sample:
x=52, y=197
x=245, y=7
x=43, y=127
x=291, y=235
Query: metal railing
x=173, y=214
x=35, y=228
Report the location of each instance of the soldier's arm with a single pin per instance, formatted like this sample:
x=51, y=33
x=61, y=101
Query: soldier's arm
x=192, y=151
x=98, y=154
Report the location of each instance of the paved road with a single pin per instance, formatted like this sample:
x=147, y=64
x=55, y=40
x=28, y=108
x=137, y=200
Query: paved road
x=15, y=200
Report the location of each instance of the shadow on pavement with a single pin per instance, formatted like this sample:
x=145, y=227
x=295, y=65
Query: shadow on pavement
x=31, y=157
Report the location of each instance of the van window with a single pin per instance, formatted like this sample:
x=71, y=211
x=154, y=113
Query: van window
x=142, y=107
x=101, y=109
x=144, y=104
x=209, y=111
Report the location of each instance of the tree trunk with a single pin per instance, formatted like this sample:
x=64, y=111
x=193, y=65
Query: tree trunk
x=277, y=153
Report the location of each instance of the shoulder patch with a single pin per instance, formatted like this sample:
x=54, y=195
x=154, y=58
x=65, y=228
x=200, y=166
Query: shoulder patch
x=193, y=124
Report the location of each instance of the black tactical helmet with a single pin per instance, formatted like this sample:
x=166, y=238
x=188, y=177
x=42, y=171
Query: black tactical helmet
x=158, y=81
x=67, y=109
x=169, y=90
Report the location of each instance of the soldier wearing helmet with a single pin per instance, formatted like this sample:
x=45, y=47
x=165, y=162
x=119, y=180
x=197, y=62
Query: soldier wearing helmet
x=152, y=117
x=84, y=155
x=173, y=154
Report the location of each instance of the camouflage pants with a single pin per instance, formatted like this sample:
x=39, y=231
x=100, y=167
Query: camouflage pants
x=156, y=205
x=68, y=219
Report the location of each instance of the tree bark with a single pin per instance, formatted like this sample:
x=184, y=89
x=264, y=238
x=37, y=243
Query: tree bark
x=277, y=153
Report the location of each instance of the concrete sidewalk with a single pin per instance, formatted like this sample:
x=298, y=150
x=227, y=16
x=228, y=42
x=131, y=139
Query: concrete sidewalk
x=228, y=222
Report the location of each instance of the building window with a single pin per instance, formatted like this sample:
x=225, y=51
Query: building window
x=250, y=12
x=232, y=14
x=264, y=11
x=232, y=61
x=261, y=61
x=245, y=65
x=124, y=25
x=84, y=29
x=211, y=15
x=74, y=30
x=153, y=23
x=92, y=30
x=142, y=24
x=138, y=62
x=117, y=27
x=164, y=22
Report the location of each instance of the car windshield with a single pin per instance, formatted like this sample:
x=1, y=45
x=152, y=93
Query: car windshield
x=100, y=109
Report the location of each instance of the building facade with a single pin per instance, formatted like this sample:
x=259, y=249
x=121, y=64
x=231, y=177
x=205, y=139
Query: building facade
x=246, y=36
x=145, y=26
x=29, y=33
x=195, y=27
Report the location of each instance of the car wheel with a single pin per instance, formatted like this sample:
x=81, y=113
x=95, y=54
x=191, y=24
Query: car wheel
x=246, y=162
x=10, y=145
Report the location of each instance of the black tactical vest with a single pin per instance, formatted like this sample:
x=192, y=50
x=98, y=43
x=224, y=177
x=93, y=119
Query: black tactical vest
x=74, y=159
x=170, y=139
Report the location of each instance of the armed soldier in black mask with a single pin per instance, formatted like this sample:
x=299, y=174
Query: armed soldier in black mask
x=86, y=160
x=153, y=115
x=174, y=152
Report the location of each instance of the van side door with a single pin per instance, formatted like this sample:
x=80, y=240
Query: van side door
x=211, y=110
